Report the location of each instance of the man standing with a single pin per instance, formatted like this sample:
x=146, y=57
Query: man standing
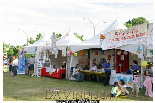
x=31, y=62
x=107, y=70
x=77, y=74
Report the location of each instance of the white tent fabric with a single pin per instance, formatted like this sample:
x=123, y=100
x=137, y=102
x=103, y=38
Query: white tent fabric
x=94, y=42
x=67, y=40
x=39, y=44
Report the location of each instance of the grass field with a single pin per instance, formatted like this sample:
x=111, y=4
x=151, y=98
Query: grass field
x=32, y=88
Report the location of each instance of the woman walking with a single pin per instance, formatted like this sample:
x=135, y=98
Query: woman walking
x=10, y=64
x=149, y=80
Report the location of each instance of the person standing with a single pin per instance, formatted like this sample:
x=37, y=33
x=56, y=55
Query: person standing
x=31, y=62
x=135, y=65
x=148, y=81
x=107, y=70
x=14, y=66
x=10, y=64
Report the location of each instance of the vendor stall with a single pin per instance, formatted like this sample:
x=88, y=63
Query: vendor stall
x=127, y=42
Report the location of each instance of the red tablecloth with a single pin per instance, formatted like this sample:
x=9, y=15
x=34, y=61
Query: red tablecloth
x=54, y=74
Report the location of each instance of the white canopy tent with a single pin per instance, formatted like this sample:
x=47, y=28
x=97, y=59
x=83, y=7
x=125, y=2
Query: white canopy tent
x=64, y=42
x=43, y=41
x=94, y=42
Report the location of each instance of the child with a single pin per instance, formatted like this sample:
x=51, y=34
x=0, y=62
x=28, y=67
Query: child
x=123, y=87
x=115, y=90
x=135, y=84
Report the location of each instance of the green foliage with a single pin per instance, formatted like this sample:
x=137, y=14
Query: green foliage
x=136, y=21
x=10, y=49
x=31, y=41
x=80, y=37
x=59, y=35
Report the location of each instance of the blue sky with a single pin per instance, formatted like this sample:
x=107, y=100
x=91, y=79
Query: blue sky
x=48, y=16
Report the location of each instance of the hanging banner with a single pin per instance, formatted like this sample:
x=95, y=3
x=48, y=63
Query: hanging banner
x=64, y=52
x=150, y=37
x=117, y=38
x=53, y=38
x=21, y=62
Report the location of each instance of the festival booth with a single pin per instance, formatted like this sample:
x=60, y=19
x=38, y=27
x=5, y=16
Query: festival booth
x=129, y=45
x=52, y=53
x=92, y=47
x=64, y=53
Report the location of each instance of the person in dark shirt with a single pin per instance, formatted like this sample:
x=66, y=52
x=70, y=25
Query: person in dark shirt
x=86, y=67
x=129, y=71
x=63, y=64
x=107, y=70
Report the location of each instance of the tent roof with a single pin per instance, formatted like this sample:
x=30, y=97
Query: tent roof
x=94, y=42
x=65, y=41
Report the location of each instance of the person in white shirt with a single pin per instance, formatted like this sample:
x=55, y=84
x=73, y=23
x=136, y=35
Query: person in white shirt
x=31, y=62
x=14, y=66
x=94, y=67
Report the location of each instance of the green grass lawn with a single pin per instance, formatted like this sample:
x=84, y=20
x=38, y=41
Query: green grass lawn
x=28, y=88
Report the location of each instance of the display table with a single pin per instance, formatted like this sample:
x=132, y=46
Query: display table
x=57, y=74
x=128, y=78
x=87, y=72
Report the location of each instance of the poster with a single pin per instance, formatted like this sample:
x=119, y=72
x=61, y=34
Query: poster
x=21, y=62
x=40, y=65
x=127, y=78
x=150, y=37
x=118, y=38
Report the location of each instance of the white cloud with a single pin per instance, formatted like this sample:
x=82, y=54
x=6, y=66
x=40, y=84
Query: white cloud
x=49, y=16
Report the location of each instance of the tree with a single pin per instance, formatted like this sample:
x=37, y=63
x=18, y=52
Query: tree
x=59, y=35
x=31, y=41
x=80, y=37
x=135, y=21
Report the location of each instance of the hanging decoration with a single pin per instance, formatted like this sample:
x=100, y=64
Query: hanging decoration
x=75, y=54
x=138, y=50
x=102, y=37
x=96, y=53
x=125, y=52
x=102, y=52
x=144, y=63
x=70, y=52
x=85, y=52
x=151, y=51
x=81, y=53
x=119, y=52
x=109, y=56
